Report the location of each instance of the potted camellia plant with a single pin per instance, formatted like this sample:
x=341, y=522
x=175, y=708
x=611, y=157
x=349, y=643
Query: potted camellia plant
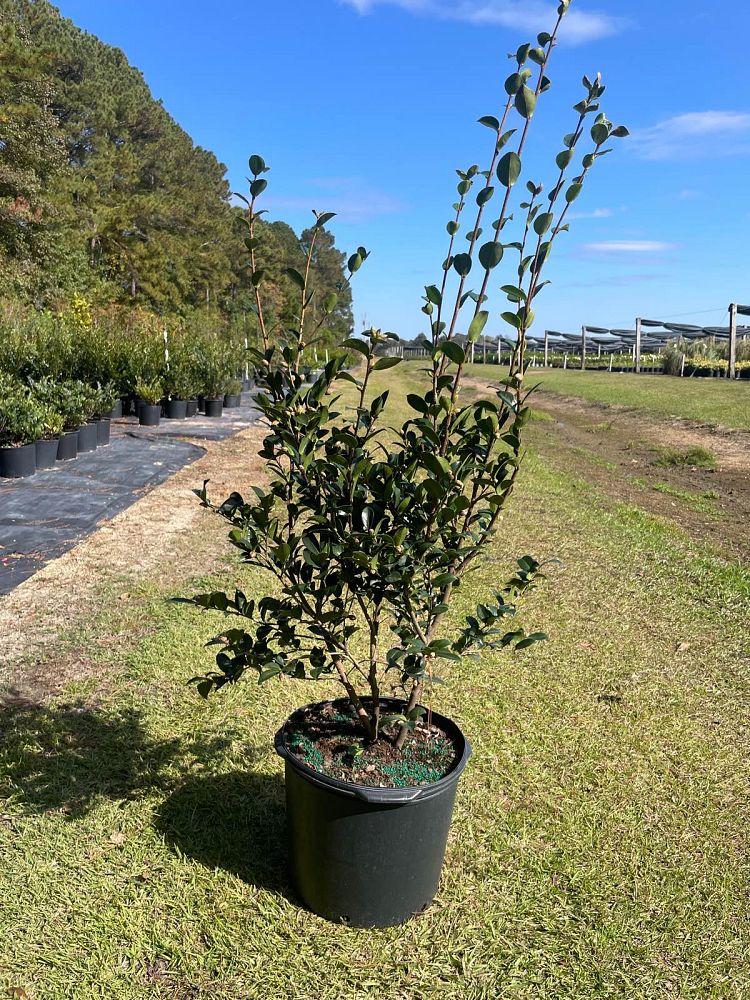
x=49, y=441
x=149, y=393
x=368, y=530
x=106, y=397
x=21, y=426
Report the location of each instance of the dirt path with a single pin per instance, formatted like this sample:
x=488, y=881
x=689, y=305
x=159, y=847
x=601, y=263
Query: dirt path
x=623, y=453
x=165, y=536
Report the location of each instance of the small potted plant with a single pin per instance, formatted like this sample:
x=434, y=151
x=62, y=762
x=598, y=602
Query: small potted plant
x=49, y=442
x=21, y=426
x=106, y=397
x=149, y=395
x=369, y=544
x=88, y=435
x=233, y=394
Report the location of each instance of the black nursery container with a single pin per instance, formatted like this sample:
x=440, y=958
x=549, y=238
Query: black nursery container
x=364, y=856
x=175, y=409
x=191, y=407
x=102, y=432
x=18, y=463
x=87, y=438
x=232, y=400
x=46, y=453
x=214, y=407
x=149, y=415
x=67, y=446
x=116, y=411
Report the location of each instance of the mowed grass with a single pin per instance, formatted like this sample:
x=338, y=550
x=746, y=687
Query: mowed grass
x=707, y=400
x=599, y=847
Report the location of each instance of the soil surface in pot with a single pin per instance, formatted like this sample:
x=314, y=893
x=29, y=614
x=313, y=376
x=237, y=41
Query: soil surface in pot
x=329, y=740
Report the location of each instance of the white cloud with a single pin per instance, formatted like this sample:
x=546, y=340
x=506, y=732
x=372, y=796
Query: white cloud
x=630, y=247
x=353, y=199
x=694, y=134
x=598, y=213
x=526, y=15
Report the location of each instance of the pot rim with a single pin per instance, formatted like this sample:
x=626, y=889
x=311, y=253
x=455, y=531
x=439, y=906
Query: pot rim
x=370, y=793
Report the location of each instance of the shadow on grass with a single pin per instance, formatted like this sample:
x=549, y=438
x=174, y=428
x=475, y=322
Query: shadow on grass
x=65, y=757
x=232, y=821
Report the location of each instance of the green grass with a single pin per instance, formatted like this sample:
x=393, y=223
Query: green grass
x=710, y=401
x=599, y=847
x=701, y=458
x=701, y=503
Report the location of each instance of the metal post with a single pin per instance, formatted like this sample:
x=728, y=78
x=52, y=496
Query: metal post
x=546, y=348
x=565, y=360
x=682, y=366
x=637, y=347
x=732, y=366
x=611, y=355
x=583, y=348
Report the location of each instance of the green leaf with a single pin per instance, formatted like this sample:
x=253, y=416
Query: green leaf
x=490, y=255
x=514, y=83
x=293, y=273
x=452, y=227
x=476, y=326
x=620, y=132
x=572, y=193
x=462, y=264
x=323, y=218
x=464, y=187
x=490, y=121
x=599, y=133
x=525, y=102
x=512, y=319
x=355, y=344
x=509, y=169
x=563, y=159
x=384, y=363
x=484, y=195
x=416, y=402
x=542, y=223
x=257, y=277
x=531, y=639
x=537, y=56
x=453, y=351
x=258, y=187
x=433, y=294
x=257, y=165
x=355, y=262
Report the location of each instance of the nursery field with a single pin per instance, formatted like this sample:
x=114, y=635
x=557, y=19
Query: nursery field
x=706, y=400
x=599, y=847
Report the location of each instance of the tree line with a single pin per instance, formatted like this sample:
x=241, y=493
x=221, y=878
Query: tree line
x=103, y=194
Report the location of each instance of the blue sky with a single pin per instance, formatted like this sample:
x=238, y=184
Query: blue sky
x=366, y=107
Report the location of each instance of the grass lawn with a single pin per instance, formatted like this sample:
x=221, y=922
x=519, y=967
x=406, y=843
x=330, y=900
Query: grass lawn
x=599, y=847
x=711, y=401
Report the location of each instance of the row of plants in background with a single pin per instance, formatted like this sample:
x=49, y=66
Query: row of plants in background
x=45, y=421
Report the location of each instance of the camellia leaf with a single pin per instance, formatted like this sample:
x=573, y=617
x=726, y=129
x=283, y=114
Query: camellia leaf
x=490, y=255
x=258, y=186
x=620, y=132
x=476, y=326
x=257, y=165
x=514, y=83
x=542, y=223
x=490, y=121
x=355, y=262
x=484, y=195
x=462, y=264
x=382, y=363
x=416, y=402
x=525, y=102
x=293, y=273
x=453, y=351
x=452, y=227
x=330, y=303
x=355, y=344
x=323, y=218
x=563, y=159
x=599, y=133
x=433, y=294
x=509, y=169
x=512, y=319
x=572, y=193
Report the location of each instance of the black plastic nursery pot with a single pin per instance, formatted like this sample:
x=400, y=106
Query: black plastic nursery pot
x=191, y=407
x=232, y=400
x=175, y=409
x=18, y=463
x=149, y=415
x=116, y=411
x=87, y=438
x=67, y=446
x=102, y=432
x=366, y=856
x=46, y=453
x=213, y=407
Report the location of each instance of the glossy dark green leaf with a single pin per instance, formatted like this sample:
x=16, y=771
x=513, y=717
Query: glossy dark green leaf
x=453, y=351
x=258, y=186
x=525, y=102
x=382, y=363
x=257, y=165
x=509, y=169
x=484, y=195
x=490, y=255
x=476, y=326
x=296, y=277
x=462, y=264
x=490, y=121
